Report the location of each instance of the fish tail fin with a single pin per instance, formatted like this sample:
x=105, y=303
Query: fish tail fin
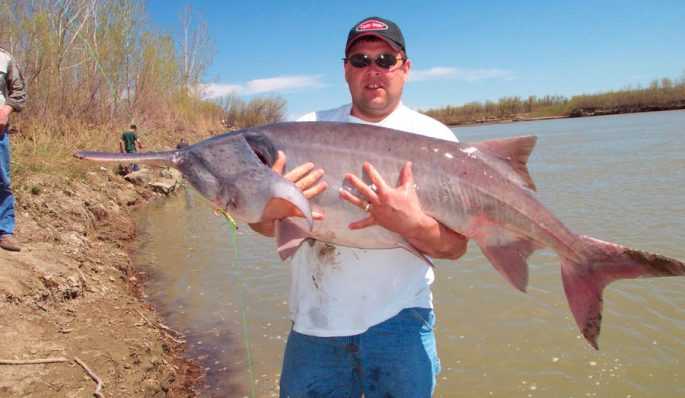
x=595, y=265
x=166, y=158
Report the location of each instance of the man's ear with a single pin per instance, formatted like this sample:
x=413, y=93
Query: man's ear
x=406, y=66
x=346, y=72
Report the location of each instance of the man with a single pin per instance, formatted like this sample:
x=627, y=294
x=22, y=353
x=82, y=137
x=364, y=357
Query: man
x=182, y=143
x=366, y=326
x=12, y=98
x=130, y=143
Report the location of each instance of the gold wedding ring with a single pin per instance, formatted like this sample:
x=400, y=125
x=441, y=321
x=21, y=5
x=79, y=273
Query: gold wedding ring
x=367, y=206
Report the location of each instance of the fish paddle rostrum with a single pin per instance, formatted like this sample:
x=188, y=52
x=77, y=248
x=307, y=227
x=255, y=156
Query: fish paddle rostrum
x=481, y=190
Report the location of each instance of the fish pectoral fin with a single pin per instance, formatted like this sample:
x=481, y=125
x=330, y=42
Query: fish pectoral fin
x=289, y=237
x=509, y=255
x=411, y=249
x=282, y=189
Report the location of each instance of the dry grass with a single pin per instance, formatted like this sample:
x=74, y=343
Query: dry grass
x=40, y=148
x=47, y=146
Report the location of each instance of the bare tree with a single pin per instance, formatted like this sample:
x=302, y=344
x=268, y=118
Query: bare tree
x=197, y=49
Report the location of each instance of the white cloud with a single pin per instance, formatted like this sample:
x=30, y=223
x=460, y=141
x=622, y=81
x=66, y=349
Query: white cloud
x=261, y=86
x=438, y=72
x=215, y=90
x=469, y=75
x=281, y=83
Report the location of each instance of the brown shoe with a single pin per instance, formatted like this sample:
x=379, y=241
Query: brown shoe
x=8, y=242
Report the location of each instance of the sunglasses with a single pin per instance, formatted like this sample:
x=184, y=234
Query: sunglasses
x=385, y=60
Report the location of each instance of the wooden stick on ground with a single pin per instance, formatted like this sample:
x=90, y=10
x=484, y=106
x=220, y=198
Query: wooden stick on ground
x=32, y=361
x=171, y=333
x=93, y=376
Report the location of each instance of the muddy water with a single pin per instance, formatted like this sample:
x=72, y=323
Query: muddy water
x=619, y=178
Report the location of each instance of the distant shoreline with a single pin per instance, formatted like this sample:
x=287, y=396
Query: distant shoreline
x=661, y=95
x=581, y=113
x=506, y=120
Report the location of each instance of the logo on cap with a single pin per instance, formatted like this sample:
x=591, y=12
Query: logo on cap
x=371, y=25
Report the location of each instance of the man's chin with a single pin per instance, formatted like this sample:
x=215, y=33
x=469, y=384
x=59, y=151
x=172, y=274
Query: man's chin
x=376, y=105
x=372, y=114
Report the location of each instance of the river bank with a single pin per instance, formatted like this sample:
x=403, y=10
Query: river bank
x=72, y=293
x=513, y=119
x=575, y=114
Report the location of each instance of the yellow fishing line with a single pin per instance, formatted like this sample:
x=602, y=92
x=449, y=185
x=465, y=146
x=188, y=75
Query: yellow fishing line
x=243, y=306
x=233, y=224
x=228, y=217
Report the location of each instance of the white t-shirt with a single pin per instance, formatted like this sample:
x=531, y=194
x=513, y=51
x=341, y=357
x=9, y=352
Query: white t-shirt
x=342, y=291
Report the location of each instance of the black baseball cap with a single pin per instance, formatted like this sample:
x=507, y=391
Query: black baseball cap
x=384, y=29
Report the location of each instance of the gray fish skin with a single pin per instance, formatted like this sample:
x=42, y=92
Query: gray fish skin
x=481, y=190
x=225, y=171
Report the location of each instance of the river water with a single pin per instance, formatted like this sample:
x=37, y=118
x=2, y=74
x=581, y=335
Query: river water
x=617, y=178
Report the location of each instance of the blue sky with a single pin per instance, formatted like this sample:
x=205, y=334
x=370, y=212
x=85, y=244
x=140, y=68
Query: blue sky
x=461, y=51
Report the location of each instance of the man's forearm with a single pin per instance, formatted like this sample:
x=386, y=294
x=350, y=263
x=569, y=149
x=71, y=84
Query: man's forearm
x=436, y=240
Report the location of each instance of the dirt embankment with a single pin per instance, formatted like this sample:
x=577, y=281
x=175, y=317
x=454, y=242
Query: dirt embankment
x=72, y=293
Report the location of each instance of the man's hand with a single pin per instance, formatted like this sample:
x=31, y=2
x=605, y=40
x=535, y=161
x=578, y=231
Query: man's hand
x=307, y=179
x=5, y=111
x=399, y=210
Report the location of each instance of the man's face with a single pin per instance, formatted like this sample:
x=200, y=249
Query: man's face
x=375, y=91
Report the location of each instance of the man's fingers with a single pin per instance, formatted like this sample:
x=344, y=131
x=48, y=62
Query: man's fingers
x=298, y=172
x=366, y=222
x=362, y=188
x=315, y=190
x=406, y=175
x=310, y=179
x=375, y=177
x=348, y=196
x=279, y=163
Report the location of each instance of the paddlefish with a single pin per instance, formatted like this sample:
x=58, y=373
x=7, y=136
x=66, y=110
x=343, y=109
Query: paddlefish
x=481, y=190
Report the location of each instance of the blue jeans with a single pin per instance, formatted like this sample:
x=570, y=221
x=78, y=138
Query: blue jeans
x=396, y=358
x=6, y=197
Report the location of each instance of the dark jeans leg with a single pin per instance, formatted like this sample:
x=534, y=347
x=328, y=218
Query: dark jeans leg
x=6, y=197
x=399, y=356
x=320, y=367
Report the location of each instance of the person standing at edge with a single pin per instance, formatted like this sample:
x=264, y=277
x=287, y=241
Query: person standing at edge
x=12, y=98
x=130, y=143
x=129, y=140
x=365, y=326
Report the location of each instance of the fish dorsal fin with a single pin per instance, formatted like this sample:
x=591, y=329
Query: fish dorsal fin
x=515, y=152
